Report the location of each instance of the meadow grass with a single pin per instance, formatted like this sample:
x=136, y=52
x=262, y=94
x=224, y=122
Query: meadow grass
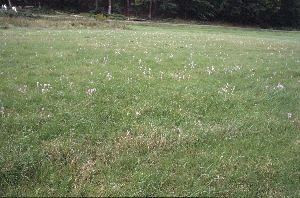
x=149, y=110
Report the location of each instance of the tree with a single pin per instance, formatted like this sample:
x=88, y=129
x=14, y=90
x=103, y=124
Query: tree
x=128, y=7
x=168, y=8
x=150, y=9
x=196, y=9
x=230, y=10
x=96, y=5
x=109, y=7
x=289, y=13
x=261, y=12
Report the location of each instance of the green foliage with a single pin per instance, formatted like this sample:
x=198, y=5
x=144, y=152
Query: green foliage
x=63, y=21
x=8, y=13
x=168, y=9
x=44, y=10
x=97, y=11
x=117, y=17
x=100, y=17
x=204, y=10
x=266, y=13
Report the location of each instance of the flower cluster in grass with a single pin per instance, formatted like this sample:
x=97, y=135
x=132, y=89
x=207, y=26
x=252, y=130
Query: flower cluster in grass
x=208, y=55
x=44, y=87
x=91, y=91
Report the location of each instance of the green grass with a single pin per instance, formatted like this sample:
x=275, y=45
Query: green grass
x=149, y=110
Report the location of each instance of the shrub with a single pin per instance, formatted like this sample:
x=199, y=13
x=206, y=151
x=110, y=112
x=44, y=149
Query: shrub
x=100, y=17
x=117, y=17
x=97, y=11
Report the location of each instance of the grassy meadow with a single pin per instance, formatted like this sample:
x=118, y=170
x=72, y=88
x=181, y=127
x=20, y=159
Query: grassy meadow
x=126, y=109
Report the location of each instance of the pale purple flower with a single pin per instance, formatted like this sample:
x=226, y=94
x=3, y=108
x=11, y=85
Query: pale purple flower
x=208, y=70
x=90, y=91
x=109, y=76
x=280, y=86
x=161, y=74
x=43, y=108
x=117, y=51
x=137, y=113
x=289, y=115
x=43, y=90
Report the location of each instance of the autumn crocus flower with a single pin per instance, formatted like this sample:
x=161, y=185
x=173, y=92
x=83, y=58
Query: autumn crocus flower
x=137, y=113
x=280, y=86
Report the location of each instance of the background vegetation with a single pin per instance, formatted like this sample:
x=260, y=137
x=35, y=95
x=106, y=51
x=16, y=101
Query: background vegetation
x=100, y=108
x=266, y=13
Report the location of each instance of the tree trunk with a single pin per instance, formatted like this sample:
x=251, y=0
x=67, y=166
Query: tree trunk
x=185, y=12
x=109, y=7
x=96, y=8
x=155, y=7
x=134, y=10
x=128, y=7
x=9, y=3
x=150, y=10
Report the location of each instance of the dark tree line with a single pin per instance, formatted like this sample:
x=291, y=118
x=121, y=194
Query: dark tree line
x=262, y=12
